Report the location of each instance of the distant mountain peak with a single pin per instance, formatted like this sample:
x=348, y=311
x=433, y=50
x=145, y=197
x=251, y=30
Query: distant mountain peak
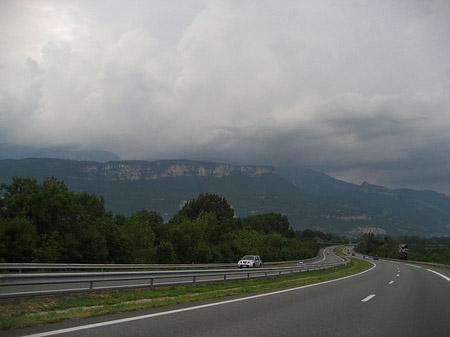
x=365, y=187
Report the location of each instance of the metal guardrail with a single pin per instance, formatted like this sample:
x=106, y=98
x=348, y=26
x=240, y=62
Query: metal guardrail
x=94, y=280
x=432, y=264
x=20, y=267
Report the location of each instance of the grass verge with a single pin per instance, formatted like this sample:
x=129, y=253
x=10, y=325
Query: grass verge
x=340, y=251
x=22, y=312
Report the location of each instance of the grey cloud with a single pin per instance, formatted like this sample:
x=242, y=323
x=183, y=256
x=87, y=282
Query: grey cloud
x=355, y=89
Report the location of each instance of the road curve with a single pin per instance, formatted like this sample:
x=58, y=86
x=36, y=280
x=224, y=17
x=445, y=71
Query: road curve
x=391, y=299
x=38, y=284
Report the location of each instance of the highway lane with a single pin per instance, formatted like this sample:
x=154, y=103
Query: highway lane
x=392, y=299
x=326, y=256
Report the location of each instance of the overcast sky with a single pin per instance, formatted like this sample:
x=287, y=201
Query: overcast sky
x=356, y=89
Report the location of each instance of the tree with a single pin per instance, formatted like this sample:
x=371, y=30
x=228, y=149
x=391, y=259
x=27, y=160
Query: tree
x=165, y=253
x=249, y=241
x=181, y=243
x=17, y=240
x=368, y=244
x=202, y=253
x=94, y=246
x=111, y=232
x=139, y=239
x=207, y=203
x=47, y=250
x=46, y=206
x=49, y=223
x=271, y=222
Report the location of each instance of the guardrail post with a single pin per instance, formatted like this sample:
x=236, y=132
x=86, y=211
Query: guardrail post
x=151, y=282
x=224, y=277
x=91, y=285
x=193, y=279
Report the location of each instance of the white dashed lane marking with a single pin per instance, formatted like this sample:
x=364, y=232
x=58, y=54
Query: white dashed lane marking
x=368, y=298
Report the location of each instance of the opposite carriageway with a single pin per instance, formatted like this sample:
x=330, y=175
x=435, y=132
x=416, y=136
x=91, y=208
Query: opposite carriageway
x=26, y=284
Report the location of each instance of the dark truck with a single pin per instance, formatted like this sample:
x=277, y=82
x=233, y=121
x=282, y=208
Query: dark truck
x=403, y=251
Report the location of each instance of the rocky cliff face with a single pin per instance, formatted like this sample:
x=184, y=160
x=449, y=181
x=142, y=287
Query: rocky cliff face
x=137, y=170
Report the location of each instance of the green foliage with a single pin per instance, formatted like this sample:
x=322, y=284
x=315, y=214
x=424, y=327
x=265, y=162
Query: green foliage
x=139, y=239
x=17, y=240
x=94, y=246
x=207, y=203
x=49, y=223
x=436, y=250
x=48, y=248
x=165, y=253
x=369, y=243
x=110, y=230
x=271, y=222
x=57, y=225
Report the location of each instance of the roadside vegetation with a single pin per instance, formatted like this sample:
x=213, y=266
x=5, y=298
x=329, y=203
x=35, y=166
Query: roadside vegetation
x=22, y=312
x=435, y=250
x=47, y=223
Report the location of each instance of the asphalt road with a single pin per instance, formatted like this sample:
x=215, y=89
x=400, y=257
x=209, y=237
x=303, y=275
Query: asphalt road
x=391, y=299
x=80, y=281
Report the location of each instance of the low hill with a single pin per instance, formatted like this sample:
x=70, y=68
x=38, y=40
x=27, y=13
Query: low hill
x=163, y=186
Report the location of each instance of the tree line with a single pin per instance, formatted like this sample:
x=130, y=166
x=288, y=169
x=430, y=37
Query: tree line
x=436, y=249
x=48, y=223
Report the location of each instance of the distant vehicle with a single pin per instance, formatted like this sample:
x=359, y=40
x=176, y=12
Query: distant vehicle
x=403, y=251
x=353, y=254
x=250, y=261
x=375, y=257
x=366, y=257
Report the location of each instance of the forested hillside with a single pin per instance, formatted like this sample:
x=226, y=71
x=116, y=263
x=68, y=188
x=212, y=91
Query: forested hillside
x=163, y=186
x=49, y=223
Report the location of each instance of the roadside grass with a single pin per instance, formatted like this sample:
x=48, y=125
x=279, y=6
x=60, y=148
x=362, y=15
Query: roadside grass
x=340, y=251
x=29, y=311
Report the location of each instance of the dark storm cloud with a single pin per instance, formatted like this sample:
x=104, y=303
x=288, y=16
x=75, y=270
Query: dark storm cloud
x=354, y=88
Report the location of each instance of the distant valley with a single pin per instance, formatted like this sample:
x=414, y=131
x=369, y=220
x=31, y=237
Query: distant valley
x=309, y=199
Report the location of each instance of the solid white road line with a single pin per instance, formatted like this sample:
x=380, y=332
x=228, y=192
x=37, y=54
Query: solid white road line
x=368, y=298
x=130, y=319
x=445, y=277
x=412, y=265
x=391, y=282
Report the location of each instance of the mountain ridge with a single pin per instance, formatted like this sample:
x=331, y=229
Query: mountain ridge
x=419, y=206
x=9, y=151
x=328, y=204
